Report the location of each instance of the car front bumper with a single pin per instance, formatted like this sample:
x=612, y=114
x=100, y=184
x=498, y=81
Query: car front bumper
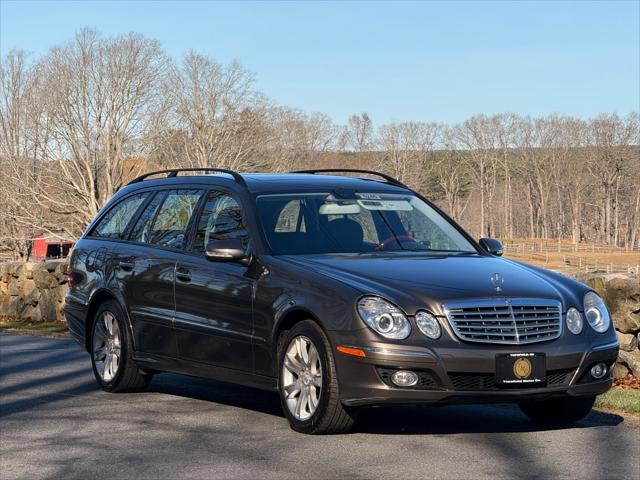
x=462, y=373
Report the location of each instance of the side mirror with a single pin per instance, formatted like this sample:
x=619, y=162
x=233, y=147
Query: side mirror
x=229, y=250
x=493, y=246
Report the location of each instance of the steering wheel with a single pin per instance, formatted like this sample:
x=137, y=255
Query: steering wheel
x=397, y=239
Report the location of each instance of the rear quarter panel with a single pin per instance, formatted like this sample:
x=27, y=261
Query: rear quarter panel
x=92, y=263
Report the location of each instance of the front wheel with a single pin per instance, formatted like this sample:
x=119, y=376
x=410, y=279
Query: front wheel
x=558, y=410
x=308, y=383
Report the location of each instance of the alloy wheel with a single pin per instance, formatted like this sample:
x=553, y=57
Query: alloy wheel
x=302, y=378
x=107, y=347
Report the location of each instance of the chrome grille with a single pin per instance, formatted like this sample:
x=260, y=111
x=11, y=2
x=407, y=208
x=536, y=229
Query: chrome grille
x=511, y=321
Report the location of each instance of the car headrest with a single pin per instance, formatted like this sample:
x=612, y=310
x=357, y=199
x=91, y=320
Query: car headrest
x=348, y=233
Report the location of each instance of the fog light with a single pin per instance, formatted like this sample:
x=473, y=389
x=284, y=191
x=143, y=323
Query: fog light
x=404, y=378
x=599, y=370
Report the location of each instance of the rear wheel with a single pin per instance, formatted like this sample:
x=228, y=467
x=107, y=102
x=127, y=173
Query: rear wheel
x=558, y=410
x=111, y=351
x=308, y=383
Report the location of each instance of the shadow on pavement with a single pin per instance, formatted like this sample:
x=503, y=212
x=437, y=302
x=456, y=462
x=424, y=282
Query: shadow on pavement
x=387, y=420
x=454, y=419
x=60, y=425
x=217, y=392
x=67, y=371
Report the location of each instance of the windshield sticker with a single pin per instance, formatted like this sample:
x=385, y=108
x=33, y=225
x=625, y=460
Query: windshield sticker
x=389, y=205
x=368, y=196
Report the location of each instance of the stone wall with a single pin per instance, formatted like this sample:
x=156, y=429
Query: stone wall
x=33, y=291
x=622, y=295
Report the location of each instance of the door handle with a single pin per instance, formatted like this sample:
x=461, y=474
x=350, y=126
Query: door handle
x=183, y=275
x=126, y=266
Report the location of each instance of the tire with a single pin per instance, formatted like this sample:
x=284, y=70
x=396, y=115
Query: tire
x=329, y=415
x=558, y=410
x=110, y=338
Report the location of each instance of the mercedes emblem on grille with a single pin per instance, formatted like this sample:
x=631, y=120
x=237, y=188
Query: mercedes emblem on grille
x=498, y=281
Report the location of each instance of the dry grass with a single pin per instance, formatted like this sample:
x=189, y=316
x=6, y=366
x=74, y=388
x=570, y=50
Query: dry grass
x=47, y=329
x=556, y=260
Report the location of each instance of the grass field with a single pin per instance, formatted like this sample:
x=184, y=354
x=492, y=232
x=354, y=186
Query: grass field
x=620, y=399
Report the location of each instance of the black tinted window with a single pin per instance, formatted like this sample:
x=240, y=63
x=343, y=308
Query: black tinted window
x=170, y=224
x=142, y=228
x=221, y=219
x=355, y=222
x=114, y=223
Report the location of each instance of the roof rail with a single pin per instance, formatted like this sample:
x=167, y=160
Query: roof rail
x=388, y=178
x=174, y=173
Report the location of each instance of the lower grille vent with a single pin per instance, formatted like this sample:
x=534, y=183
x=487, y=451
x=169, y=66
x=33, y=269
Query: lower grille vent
x=486, y=381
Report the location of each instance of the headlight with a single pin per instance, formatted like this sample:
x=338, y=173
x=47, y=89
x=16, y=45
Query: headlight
x=596, y=312
x=384, y=318
x=428, y=324
x=574, y=321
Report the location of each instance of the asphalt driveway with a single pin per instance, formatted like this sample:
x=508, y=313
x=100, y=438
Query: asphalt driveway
x=56, y=423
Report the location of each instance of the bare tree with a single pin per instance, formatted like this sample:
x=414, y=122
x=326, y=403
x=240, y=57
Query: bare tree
x=611, y=137
x=99, y=95
x=94, y=112
x=358, y=134
x=215, y=113
x=21, y=143
x=478, y=136
x=451, y=177
x=407, y=149
x=298, y=140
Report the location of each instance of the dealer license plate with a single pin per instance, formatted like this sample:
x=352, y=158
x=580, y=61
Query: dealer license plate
x=520, y=369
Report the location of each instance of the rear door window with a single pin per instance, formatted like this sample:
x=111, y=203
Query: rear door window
x=169, y=227
x=114, y=223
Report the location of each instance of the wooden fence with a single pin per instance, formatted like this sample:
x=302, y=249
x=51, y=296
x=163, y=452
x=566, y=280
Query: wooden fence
x=589, y=265
x=564, y=247
x=573, y=263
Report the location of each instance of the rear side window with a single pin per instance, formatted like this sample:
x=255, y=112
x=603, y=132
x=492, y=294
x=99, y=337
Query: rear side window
x=114, y=223
x=170, y=224
x=291, y=218
x=221, y=219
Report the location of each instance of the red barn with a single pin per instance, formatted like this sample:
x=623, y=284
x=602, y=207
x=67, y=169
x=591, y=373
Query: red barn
x=51, y=246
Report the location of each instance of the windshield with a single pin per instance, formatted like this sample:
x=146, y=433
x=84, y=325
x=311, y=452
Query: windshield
x=355, y=222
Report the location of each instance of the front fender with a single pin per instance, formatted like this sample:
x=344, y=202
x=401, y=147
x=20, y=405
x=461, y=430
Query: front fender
x=289, y=293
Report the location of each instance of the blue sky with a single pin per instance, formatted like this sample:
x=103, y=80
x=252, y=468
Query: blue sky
x=426, y=61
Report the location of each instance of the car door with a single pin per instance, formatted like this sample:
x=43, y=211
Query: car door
x=154, y=240
x=213, y=318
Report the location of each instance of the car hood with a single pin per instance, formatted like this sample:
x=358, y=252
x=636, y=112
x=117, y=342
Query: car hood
x=413, y=281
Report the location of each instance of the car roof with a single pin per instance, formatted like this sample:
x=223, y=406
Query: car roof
x=292, y=182
x=277, y=183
